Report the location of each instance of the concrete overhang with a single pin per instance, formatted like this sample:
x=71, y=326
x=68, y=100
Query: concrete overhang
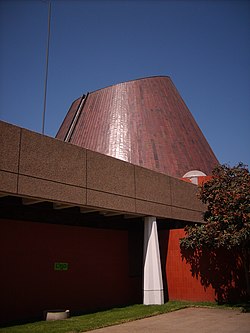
x=40, y=168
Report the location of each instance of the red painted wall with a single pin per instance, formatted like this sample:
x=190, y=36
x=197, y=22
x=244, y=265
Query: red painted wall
x=181, y=284
x=216, y=276
x=98, y=274
x=103, y=270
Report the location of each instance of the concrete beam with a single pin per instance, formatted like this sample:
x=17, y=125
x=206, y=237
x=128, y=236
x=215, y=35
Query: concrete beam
x=61, y=206
x=27, y=201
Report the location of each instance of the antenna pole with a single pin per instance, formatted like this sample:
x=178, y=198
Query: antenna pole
x=46, y=70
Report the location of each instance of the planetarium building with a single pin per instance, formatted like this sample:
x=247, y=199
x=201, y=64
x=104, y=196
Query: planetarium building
x=144, y=122
x=91, y=219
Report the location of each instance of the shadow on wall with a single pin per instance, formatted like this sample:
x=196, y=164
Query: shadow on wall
x=163, y=244
x=222, y=270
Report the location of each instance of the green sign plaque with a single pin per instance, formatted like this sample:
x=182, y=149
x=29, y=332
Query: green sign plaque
x=61, y=266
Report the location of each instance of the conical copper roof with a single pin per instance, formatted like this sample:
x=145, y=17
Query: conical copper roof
x=144, y=122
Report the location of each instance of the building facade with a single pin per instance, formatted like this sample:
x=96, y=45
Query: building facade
x=92, y=219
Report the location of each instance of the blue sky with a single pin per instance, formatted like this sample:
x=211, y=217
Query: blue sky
x=203, y=45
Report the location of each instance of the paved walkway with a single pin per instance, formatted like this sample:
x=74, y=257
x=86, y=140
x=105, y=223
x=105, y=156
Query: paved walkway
x=190, y=320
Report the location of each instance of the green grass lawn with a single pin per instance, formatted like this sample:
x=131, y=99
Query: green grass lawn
x=101, y=319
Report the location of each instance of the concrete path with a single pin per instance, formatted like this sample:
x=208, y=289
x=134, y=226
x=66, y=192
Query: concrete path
x=190, y=320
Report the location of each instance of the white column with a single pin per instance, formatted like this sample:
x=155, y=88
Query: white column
x=152, y=286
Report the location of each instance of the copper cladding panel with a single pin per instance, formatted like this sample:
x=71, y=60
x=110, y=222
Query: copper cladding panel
x=144, y=122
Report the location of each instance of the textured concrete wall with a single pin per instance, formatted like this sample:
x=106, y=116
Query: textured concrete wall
x=9, y=156
x=36, y=166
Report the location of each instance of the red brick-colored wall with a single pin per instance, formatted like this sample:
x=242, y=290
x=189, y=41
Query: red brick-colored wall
x=203, y=179
x=97, y=277
x=181, y=284
x=103, y=270
x=210, y=276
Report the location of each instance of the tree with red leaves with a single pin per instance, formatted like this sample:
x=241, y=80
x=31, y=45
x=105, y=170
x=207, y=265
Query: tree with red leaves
x=227, y=196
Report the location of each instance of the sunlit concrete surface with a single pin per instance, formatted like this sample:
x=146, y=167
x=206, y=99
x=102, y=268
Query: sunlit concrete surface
x=191, y=320
x=153, y=285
